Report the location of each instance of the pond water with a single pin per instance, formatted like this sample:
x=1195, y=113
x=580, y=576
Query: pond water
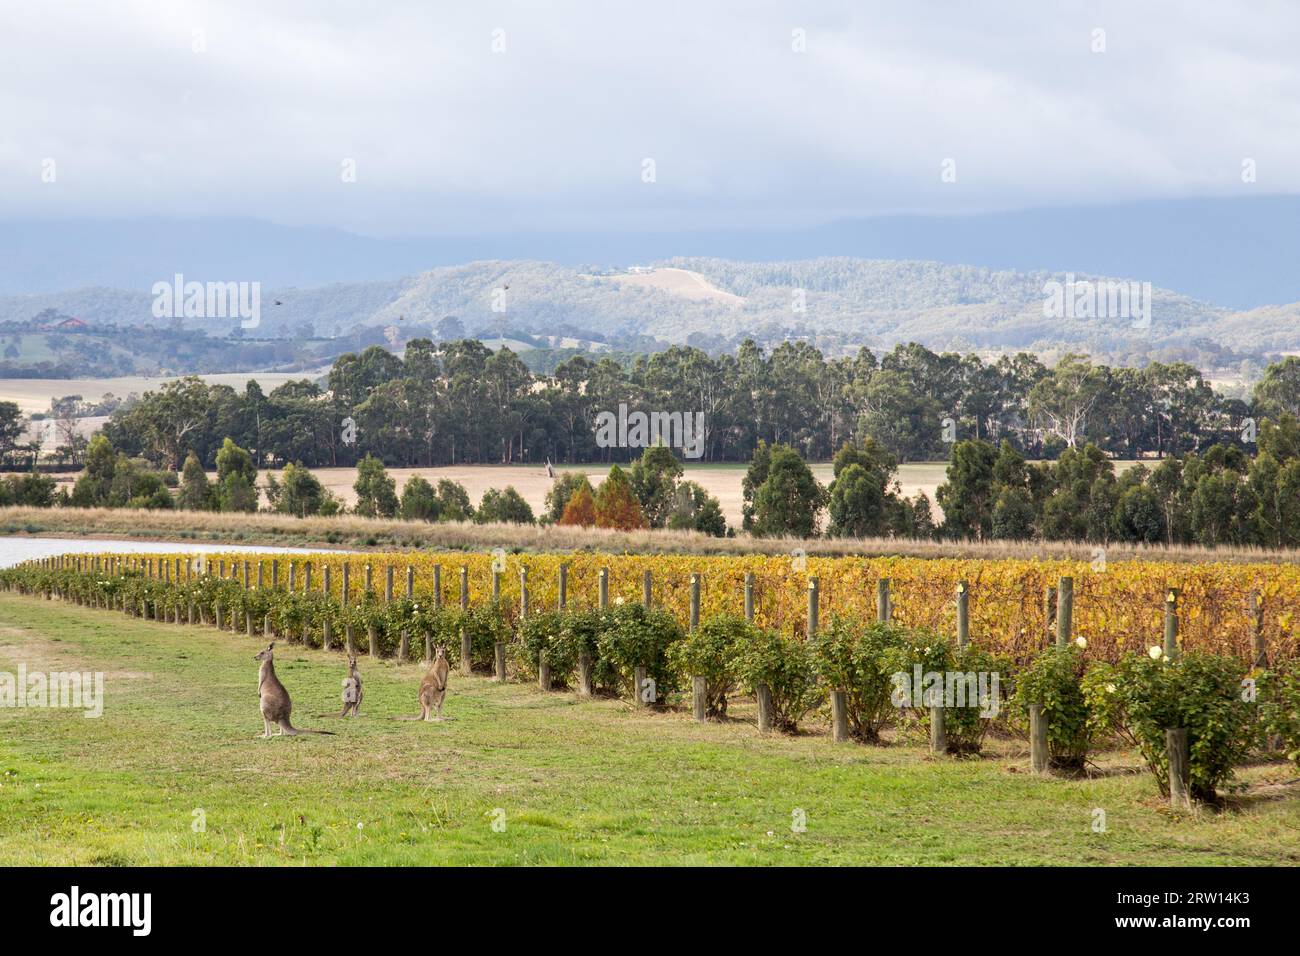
x=16, y=549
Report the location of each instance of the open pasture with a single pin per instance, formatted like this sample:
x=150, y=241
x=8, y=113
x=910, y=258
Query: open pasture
x=174, y=772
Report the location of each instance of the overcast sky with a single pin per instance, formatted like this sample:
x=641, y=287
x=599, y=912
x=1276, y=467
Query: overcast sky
x=252, y=108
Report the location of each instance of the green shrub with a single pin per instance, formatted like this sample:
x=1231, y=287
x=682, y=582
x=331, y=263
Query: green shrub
x=1054, y=680
x=856, y=658
x=785, y=665
x=1198, y=691
x=580, y=634
x=969, y=715
x=367, y=614
x=436, y=624
x=966, y=726
x=637, y=637
x=710, y=652
x=540, y=638
x=1279, y=706
x=485, y=625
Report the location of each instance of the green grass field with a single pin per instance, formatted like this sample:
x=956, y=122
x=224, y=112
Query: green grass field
x=577, y=782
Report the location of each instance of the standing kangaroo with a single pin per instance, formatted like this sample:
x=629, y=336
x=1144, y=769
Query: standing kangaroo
x=352, y=692
x=276, y=705
x=433, y=689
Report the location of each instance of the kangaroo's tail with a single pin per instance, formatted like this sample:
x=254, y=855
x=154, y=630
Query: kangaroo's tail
x=293, y=731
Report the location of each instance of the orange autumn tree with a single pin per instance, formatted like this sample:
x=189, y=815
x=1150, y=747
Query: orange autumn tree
x=616, y=504
x=580, y=509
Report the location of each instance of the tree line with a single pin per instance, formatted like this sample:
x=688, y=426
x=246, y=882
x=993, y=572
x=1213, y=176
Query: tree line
x=1221, y=496
x=459, y=402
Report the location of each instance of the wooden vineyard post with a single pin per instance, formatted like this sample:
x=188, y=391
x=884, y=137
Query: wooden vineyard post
x=584, y=674
x=500, y=668
x=1064, y=611
x=306, y=590
x=839, y=716
x=814, y=599
x=563, y=597
x=646, y=588
x=695, y=603
x=544, y=667
x=466, y=663
x=523, y=593
x=404, y=642
x=1176, y=749
x=584, y=659
x=372, y=632
x=1049, y=611
x=603, y=590
x=327, y=631
x=267, y=629
x=884, y=606
x=349, y=630
x=1258, y=652
x=938, y=729
x=1171, y=624
x=764, y=696
x=963, y=614
x=1037, y=739
x=839, y=696
x=437, y=604
x=699, y=684
x=762, y=693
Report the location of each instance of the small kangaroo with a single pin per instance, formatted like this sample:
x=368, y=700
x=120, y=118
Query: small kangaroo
x=276, y=705
x=433, y=689
x=352, y=692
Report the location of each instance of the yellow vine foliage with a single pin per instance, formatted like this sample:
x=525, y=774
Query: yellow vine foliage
x=1119, y=609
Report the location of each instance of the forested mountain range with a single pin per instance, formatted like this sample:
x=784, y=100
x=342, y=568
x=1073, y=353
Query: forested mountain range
x=838, y=304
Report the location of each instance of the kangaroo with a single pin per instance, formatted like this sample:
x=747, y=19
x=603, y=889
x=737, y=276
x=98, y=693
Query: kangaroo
x=276, y=705
x=433, y=689
x=352, y=692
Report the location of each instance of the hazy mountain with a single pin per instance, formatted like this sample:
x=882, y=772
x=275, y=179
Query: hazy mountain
x=839, y=302
x=1239, y=253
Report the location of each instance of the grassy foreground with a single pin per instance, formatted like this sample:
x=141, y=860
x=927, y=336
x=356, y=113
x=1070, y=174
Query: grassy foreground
x=575, y=782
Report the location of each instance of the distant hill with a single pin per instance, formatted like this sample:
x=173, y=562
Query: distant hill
x=1239, y=253
x=840, y=303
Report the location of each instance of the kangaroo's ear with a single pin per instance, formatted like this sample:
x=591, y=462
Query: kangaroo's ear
x=271, y=646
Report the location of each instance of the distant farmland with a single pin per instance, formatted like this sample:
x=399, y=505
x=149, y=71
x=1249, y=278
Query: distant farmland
x=722, y=481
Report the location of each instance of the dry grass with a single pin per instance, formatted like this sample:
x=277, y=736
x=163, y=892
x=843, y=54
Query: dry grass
x=379, y=534
x=35, y=394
